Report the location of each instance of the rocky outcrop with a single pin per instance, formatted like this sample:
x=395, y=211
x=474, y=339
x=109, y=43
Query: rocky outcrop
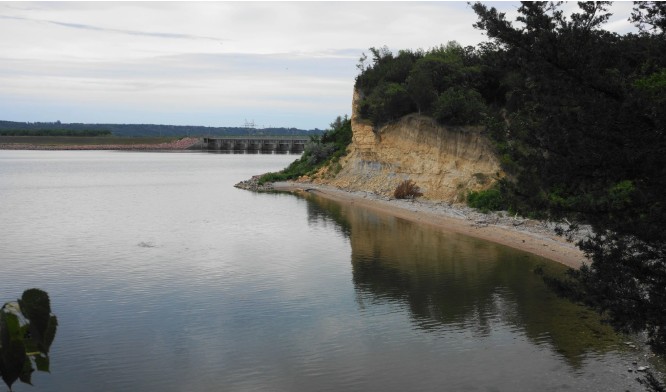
x=445, y=162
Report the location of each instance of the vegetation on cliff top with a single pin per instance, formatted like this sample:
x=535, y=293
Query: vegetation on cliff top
x=578, y=116
x=443, y=83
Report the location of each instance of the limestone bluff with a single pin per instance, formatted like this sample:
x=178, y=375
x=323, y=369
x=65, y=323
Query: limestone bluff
x=445, y=162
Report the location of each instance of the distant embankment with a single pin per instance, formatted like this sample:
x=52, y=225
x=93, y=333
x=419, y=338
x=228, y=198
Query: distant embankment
x=143, y=130
x=96, y=143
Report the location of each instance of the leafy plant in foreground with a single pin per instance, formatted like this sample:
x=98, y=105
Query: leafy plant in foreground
x=27, y=329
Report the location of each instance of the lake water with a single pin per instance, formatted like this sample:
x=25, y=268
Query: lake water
x=164, y=277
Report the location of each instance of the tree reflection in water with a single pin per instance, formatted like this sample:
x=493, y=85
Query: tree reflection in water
x=451, y=282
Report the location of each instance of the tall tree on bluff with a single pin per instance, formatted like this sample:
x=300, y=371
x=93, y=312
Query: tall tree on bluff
x=585, y=134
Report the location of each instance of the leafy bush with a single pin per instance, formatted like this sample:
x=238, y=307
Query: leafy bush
x=394, y=86
x=407, y=190
x=459, y=106
x=318, y=151
x=388, y=102
x=488, y=200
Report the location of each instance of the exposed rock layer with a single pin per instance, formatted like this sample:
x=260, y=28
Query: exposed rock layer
x=445, y=162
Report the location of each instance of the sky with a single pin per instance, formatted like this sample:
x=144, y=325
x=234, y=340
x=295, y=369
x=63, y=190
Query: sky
x=277, y=64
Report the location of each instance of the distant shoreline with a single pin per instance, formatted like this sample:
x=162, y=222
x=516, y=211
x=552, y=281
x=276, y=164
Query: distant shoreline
x=530, y=236
x=130, y=144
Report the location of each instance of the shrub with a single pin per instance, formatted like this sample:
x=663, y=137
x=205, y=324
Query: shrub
x=459, y=106
x=488, y=200
x=388, y=102
x=318, y=151
x=407, y=190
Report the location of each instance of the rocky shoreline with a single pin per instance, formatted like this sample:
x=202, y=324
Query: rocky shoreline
x=253, y=185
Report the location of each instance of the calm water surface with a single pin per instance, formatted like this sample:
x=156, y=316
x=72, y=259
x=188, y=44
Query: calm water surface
x=166, y=278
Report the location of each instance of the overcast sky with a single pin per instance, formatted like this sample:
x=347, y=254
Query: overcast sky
x=281, y=64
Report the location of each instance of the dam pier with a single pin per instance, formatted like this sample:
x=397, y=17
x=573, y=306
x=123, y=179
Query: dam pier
x=256, y=144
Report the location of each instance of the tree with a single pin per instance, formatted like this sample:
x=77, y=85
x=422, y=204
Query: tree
x=420, y=88
x=585, y=131
x=459, y=106
x=388, y=102
x=394, y=86
x=651, y=13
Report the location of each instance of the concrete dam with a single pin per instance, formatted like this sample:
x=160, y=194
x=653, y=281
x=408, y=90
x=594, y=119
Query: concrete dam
x=256, y=144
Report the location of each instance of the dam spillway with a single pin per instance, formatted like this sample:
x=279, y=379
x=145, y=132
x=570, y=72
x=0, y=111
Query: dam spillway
x=256, y=144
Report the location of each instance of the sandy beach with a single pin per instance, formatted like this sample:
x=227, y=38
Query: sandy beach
x=532, y=236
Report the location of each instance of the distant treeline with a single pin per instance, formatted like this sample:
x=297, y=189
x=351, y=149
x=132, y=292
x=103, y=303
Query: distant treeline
x=54, y=132
x=142, y=130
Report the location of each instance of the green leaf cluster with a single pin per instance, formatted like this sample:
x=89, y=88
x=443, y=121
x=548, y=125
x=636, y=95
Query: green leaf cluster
x=27, y=330
x=487, y=200
x=444, y=82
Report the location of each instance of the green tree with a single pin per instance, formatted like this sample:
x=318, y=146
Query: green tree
x=420, y=88
x=459, y=106
x=585, y=132
x=388, y=102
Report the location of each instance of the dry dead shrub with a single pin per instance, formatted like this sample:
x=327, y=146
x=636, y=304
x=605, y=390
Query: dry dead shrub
x=407, y=190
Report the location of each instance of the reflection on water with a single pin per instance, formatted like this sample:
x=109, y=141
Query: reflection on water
x=450, y=282
x=166, y=278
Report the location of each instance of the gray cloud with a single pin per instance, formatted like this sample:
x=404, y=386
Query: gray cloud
x=117, y=31
x=209, y=63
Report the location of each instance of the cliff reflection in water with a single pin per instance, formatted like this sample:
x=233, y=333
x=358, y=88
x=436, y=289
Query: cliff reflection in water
x=453, y=282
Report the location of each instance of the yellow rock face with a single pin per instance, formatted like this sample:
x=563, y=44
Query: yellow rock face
x=445, y=162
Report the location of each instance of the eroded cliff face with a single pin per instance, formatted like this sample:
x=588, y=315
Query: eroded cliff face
x=445, y=162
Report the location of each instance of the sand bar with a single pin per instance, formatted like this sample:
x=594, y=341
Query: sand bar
x=531, y=236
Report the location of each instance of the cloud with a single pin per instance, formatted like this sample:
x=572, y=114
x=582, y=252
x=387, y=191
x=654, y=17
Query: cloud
x=191, y=61
x=110, y=30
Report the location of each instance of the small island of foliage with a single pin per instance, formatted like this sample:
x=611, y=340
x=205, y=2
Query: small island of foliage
x=578, y=117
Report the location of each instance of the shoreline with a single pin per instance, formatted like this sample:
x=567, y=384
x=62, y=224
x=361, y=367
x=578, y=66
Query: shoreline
x=181, y=144
x=528, y=235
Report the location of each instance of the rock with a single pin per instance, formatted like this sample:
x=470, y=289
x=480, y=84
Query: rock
x=445, y=162
x=253, y=185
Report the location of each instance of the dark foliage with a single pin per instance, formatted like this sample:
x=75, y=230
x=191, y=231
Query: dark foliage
x=582, y=135
x=445, y=82
x=27, y=330
x=488, y=200
x=53, y=132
